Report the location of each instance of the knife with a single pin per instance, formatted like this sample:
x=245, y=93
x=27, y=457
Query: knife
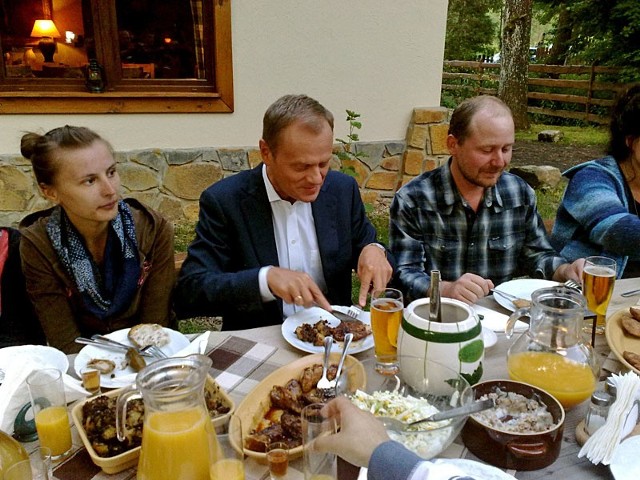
x=107, y=345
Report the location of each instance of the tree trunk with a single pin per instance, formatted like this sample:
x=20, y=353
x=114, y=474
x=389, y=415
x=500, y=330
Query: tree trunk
x=514, y=56
x=560, y=48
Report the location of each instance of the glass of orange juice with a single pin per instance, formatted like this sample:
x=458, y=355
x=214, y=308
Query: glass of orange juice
x=386, y=314
x=46, y=390
x=229, y=457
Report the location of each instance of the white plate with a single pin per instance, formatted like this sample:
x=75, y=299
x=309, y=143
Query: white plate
x=521, y=288
x=625, y=463
x=45, y=356
x=315, y=314
x=124, y=376
x=496, y=321
x=489, y=337
x=477, y=469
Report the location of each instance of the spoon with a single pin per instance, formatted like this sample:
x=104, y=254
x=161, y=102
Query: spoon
x=347, y=341
x=400, y=426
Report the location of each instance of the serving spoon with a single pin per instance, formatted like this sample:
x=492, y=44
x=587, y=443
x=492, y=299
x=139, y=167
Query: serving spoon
x=400, y=426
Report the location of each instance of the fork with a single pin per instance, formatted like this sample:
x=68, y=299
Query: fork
x=354, y=311
x=573, y=284
x=155, y=351
x=347, y=341
x=324, y=385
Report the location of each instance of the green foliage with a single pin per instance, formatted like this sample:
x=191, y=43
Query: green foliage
x=184, y=233
x=548, y=200
x=470, y=29
x=600, y=32
x=574, y=135
x=348, y=151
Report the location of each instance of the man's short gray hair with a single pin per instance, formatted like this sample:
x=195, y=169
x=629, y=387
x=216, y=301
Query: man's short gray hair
x=289, y=109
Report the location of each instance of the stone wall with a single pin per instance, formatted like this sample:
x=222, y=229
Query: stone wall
x=171, y=180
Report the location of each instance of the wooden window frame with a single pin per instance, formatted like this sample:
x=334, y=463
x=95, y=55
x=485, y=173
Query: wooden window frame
x=47, y=96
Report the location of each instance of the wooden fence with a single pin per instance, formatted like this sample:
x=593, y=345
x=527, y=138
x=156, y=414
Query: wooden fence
x=578, y=92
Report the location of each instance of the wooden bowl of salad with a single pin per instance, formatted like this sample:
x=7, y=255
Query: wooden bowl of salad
x=419, y=388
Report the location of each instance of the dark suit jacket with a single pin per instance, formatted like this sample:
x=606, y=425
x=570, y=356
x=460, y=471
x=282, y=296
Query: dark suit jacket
x=234, y=239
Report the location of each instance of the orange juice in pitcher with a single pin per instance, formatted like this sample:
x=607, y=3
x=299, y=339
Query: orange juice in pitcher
x=177, y=445
x=552, y=354
x=178, y=438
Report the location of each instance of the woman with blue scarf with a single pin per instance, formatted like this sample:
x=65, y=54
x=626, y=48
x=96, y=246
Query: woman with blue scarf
x=600, y=210
x=93, y=263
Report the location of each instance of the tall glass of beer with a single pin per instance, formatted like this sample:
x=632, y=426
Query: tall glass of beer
x=598, y=278
x=386, y=314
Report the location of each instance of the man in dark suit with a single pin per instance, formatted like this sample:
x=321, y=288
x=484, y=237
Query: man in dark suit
x=285, y=235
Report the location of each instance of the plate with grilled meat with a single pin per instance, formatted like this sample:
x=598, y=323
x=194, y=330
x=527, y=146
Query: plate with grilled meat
x=305, y=330
x=271, y=411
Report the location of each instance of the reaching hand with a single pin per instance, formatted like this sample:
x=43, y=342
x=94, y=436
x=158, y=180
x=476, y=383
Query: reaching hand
x=569, y=271
x=296, y=288
x=468, y=288
x=359, y=435
x=373, y=269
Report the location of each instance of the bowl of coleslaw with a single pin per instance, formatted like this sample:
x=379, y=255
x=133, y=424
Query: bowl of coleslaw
x=420, y=388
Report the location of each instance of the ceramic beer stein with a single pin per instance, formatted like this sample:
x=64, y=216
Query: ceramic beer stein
x=457, y=340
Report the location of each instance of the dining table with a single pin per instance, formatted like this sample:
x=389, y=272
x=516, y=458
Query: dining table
x=243, y=358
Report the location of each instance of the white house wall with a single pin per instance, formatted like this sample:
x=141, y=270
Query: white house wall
x=381, y=58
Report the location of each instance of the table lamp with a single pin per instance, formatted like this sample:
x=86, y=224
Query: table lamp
x=47, y=31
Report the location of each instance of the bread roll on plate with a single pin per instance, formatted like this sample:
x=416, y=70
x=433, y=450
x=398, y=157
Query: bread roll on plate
x=147, y=334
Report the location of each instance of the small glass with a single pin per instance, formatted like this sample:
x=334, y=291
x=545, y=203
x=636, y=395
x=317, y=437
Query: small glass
x=386, y=314
x=598, y=279
x=229, y=458
x=46, y=390
x=38, y=467
x=278, y=458
x=317, y=465
x=91, y=380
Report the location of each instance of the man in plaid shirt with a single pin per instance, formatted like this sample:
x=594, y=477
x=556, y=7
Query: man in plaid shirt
x=469, y=219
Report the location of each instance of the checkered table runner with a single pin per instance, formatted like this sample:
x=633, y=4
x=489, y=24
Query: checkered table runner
x=238, y=366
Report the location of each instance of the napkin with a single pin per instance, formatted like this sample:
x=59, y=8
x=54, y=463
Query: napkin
x=600, y=447
x=14, y=393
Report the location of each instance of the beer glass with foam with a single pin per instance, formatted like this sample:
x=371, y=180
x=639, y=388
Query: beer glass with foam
x=386, y=314
x=598, y=278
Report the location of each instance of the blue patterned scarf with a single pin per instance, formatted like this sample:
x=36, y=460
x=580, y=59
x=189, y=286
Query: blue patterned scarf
x=105, y=291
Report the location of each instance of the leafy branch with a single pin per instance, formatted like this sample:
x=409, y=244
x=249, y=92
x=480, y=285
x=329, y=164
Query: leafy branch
x=348, y=151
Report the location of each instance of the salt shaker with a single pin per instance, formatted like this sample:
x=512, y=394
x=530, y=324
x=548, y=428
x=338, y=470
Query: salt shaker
x=598, y=411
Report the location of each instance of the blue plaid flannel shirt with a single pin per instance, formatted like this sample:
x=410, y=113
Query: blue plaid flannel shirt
x=428, y=231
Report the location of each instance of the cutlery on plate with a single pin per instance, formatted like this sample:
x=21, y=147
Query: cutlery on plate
x=399, y=426
x=630, y=293
x=151, y=350
x=324, y=384
x=521, y=302
x=345, y=348
x=113, y=346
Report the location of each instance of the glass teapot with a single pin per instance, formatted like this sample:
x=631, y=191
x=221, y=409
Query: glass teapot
x=551, y=354
x=179, y=440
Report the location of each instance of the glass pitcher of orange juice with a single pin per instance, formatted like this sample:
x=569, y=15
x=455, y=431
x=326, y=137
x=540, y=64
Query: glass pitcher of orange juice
x=178, y=438
x=552, y=354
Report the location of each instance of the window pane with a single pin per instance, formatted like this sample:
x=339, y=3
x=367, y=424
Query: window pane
x=158, y=38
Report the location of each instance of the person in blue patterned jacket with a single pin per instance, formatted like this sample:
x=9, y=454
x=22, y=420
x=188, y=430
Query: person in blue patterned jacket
x=599, y=211
x=470, y=219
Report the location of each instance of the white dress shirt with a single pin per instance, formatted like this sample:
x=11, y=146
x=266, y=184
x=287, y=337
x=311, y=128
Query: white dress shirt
x=296, y=242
